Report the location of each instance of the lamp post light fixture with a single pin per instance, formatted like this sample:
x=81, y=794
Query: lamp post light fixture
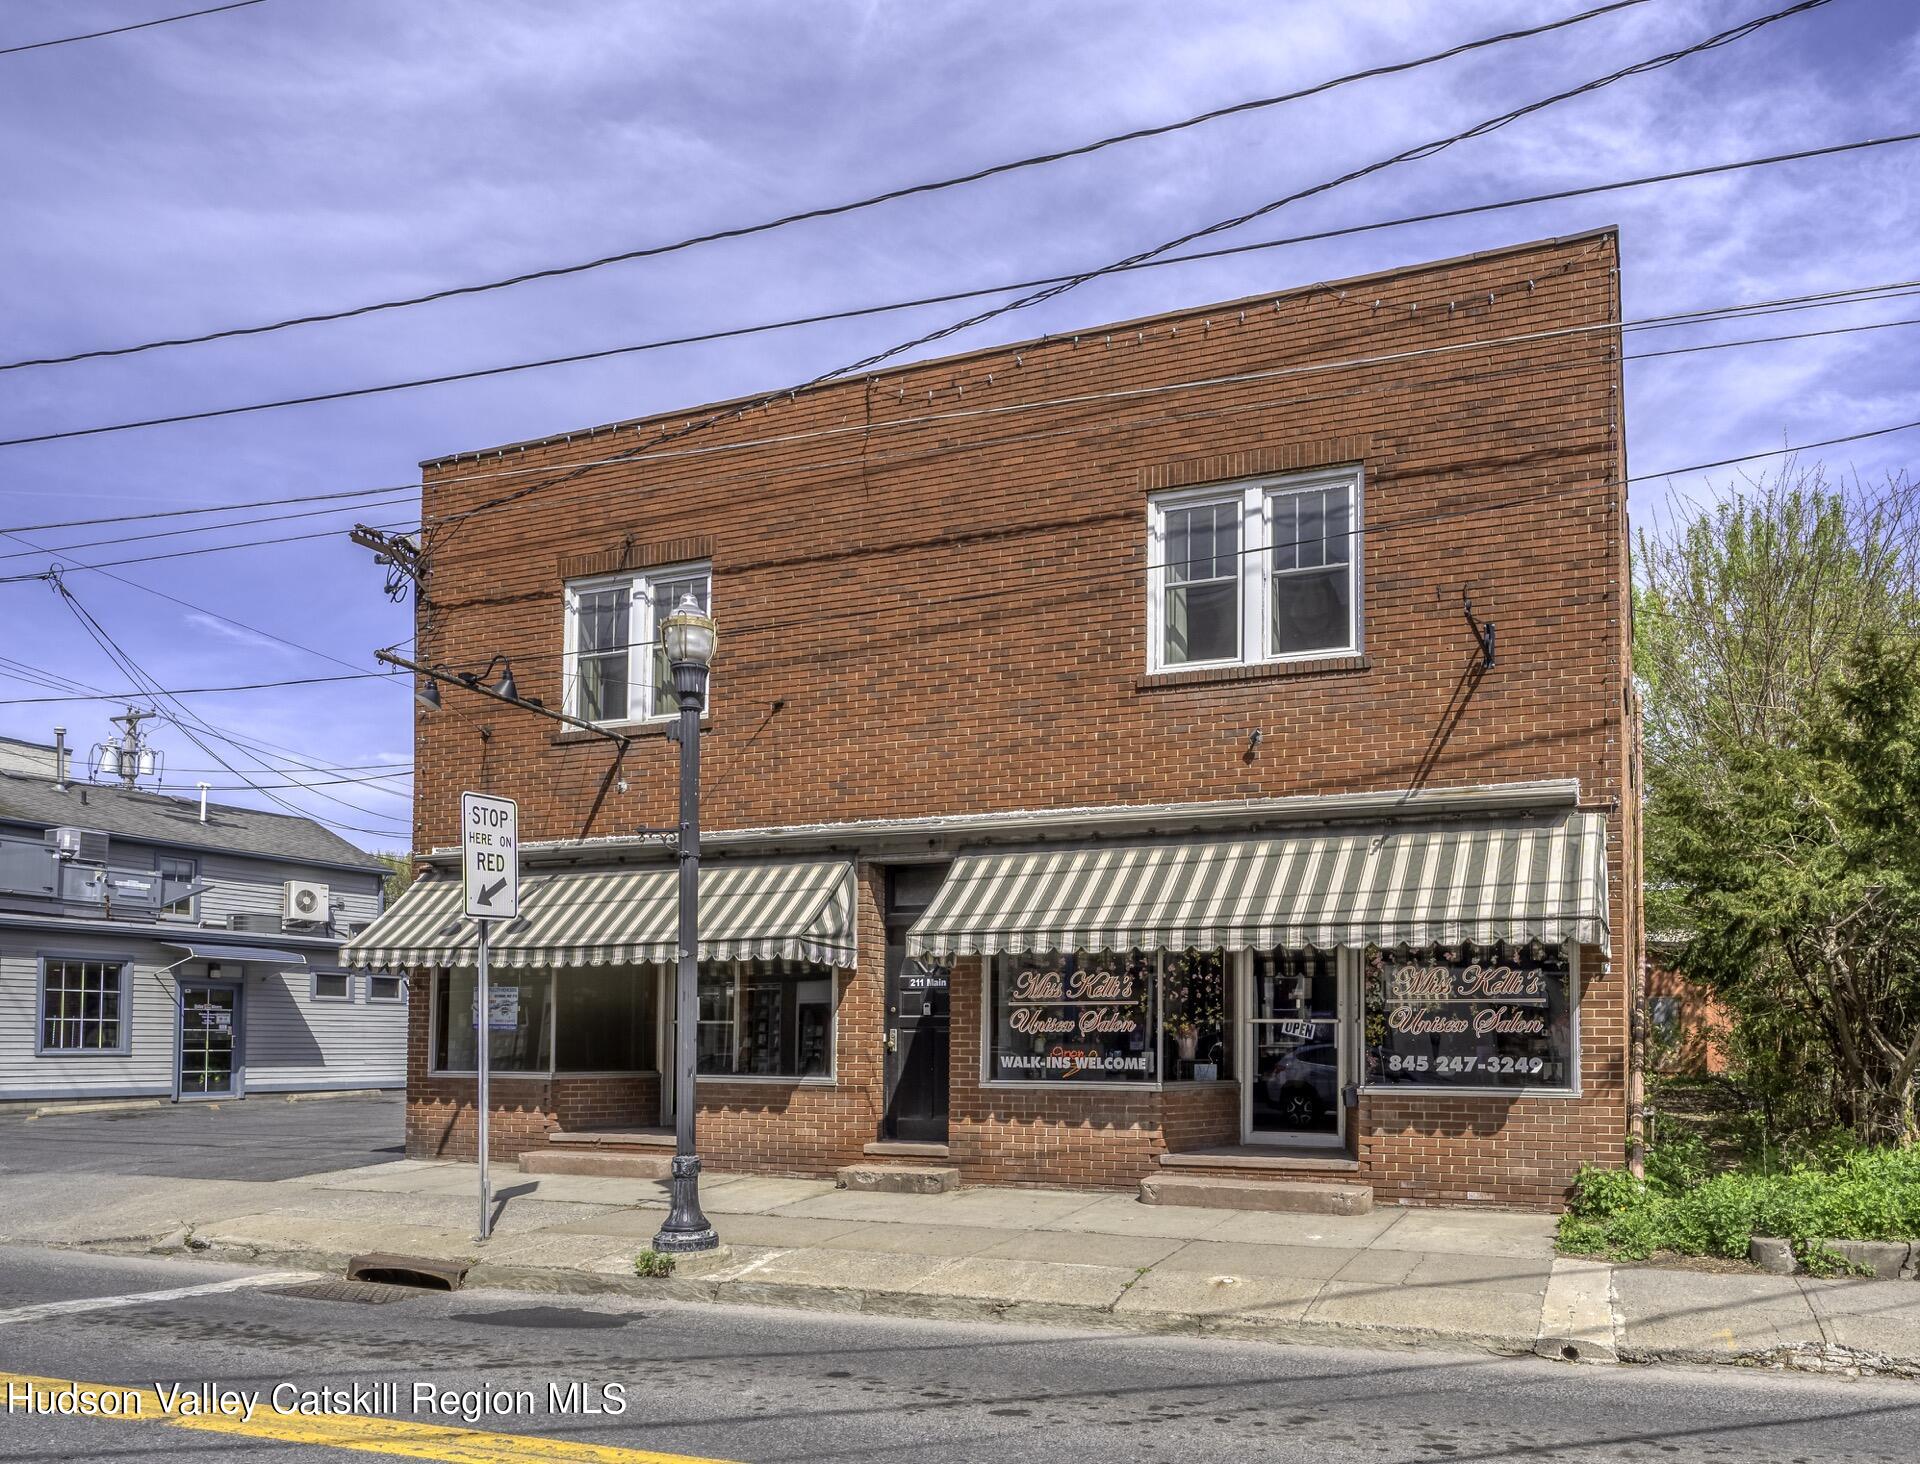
x=688, y=638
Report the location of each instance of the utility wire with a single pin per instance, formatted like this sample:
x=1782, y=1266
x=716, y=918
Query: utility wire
x=833, y=210
x=1132, y=571
x=167, y=513
x=1688, y=318
x=120, y=30
x=185, y=721
x=950, y=297
x=1863, y=294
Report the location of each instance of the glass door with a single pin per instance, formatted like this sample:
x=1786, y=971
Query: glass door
x=209, y=1023
x=1295, y=1073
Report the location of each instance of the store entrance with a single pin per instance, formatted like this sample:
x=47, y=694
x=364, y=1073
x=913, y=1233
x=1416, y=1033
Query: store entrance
x=916, y=1036
x=1296, y=1071
x=209, y=1023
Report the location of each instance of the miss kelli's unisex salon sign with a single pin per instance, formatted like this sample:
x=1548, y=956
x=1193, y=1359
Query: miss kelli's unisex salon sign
x=1444, y=1017
x=1075, y=1023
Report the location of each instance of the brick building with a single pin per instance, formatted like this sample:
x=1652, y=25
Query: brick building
x=1202, y=742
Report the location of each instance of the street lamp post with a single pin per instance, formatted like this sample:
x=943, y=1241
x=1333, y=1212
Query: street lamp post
x=689, y=636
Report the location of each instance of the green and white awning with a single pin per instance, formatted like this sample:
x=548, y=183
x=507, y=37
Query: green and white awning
x=616, y=917
x=1543, y=879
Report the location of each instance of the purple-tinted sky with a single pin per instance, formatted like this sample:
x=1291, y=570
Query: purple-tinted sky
x=306, y=154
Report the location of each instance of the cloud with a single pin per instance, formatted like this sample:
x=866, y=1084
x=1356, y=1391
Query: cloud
x=290, y=157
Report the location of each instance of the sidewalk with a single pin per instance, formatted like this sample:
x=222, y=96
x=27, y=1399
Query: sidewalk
x=1449, y=1279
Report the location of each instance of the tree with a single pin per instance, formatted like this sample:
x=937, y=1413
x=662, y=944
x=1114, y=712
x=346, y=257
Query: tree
x=1801, y=869
x=399, y=874
x=1744, y=616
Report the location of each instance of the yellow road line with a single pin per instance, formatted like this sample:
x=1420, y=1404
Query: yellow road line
x=360, y=1433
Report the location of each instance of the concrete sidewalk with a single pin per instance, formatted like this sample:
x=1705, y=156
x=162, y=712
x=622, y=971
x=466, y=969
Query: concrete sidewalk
x=1479, y=1280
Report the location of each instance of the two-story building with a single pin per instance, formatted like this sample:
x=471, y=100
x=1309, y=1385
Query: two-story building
x=1202, y=743
x=153, y=946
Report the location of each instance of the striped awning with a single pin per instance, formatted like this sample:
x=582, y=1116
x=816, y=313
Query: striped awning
x=615, y=917
x=1543, y=879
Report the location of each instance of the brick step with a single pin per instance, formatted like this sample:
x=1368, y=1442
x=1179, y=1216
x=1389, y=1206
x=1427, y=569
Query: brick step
x=604, y=1164
x=1292, y=1196
x=899, y=1179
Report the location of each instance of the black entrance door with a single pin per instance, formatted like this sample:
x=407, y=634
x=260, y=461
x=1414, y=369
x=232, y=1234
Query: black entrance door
x=917, y=1021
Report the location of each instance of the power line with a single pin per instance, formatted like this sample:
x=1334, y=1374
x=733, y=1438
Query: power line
x=120, y=30
x=185, y=721
x=864, y=311
x=1424, y=150
x=272, y=518
x=1865, y=294
x=167, y=513
x=117, y=696
x=834, y=210
x=1133, y=571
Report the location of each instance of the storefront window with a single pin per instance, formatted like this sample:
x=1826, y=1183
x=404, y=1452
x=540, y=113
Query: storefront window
x=1194, y=1022
x=517, y=1021
x=1470, y=1017
x=766, y=1019
x=1087, y=1018
x=603, y=1019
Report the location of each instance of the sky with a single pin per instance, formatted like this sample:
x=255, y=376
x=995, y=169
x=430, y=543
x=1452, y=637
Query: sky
x=302, y=155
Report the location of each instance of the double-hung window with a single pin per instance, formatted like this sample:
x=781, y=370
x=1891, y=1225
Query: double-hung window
x=1246, y=573
x=186, y=871
x=616, y=670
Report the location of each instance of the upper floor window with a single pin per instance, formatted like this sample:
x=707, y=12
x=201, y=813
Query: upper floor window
x=169, y=866
x=1251, y=572
x=615, y=668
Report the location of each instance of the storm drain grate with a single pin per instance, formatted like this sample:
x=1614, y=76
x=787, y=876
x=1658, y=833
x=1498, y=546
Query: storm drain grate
x=365, y=1293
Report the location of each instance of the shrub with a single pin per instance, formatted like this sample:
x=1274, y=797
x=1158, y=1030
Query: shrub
x=1858, y=1194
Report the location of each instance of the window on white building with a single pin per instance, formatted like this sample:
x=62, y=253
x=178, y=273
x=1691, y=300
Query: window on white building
x=82, y=1005
x=1245, y=573
x=615, y=669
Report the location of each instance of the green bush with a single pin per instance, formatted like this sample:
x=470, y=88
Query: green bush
x=1855, y=1194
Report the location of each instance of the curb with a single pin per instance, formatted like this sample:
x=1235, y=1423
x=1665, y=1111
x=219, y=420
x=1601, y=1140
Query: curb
x=748, y=1291
x=1830, y=1360
x=110, y=1105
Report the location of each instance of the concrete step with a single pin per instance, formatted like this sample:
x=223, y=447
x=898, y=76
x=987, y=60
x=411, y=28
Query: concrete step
x=899, y=1179
x=625, y=1138
x=904, y=1149
x=603, y=1164
x=1292, y=1196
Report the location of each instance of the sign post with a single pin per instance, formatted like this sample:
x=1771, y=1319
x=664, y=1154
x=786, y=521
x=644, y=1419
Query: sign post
x=490, y=874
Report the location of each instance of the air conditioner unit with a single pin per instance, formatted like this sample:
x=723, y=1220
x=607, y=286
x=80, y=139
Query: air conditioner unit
x=306, y=902
x=79, y=846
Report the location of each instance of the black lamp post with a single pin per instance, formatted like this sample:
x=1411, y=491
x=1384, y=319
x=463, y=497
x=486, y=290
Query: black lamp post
x=689, y=635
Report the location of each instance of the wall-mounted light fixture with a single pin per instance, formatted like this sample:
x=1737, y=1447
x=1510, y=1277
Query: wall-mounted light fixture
x=503, y=690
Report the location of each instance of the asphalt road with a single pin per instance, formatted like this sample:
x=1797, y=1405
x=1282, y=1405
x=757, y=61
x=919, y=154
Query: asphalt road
x=748, y=1385
x=264, y=1138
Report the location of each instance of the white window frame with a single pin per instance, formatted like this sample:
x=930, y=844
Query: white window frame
x=642, y=634
x=399, y=989
x=1255, y=497
x=313, y=985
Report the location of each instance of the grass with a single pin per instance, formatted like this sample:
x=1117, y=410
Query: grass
x=652, y=1264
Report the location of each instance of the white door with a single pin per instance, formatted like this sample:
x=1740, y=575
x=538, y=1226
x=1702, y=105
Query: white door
x=1293, y=1034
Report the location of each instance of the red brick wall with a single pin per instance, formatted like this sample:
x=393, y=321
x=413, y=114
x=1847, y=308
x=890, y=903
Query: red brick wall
x=949, y=617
